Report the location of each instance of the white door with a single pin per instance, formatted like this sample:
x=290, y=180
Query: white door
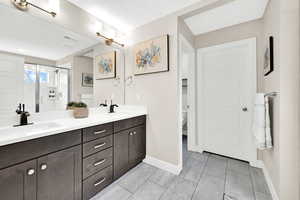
x=226, y=89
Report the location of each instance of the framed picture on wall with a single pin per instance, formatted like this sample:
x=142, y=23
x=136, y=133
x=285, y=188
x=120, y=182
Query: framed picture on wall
x=151, y=56
x=269, y=57
x=87, y=80
x=105, y=65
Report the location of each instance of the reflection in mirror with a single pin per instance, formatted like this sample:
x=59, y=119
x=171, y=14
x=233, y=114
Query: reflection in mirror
x=45, y=66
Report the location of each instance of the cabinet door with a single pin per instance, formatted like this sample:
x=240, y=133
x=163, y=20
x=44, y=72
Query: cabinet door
x=137, y=145
x=59, y=175
x=121, y=154
x=19, y=182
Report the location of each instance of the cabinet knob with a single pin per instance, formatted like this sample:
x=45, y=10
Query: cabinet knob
x=131, y=133
x=30, y=172
x=134, y=133
x=43, y=167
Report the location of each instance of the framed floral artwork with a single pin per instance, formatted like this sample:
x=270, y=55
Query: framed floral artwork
x=151, y=56
x=105, y=66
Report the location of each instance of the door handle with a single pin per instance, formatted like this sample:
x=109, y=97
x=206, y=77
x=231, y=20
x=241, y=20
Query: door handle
x=245, y=109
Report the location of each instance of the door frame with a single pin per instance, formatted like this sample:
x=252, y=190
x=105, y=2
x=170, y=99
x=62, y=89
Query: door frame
x=186, y=47
x=251, y=42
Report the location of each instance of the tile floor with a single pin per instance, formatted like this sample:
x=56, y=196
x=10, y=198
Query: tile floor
x=204, y=177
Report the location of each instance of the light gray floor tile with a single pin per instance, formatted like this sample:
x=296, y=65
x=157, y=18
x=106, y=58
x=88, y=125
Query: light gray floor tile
x=239, y=186
x=204, y=177
x=209, y=188
x=193, y=169
x=262, y=196
x=113, y=193
x=216, y=167
x=198, y=156
x=259, y=182
x=185, y=156
x=218, y=157
x=238, y=167
x=181, y=188
x=170, y=195
x=162, y=178
x=148, y=191
x=137, y=177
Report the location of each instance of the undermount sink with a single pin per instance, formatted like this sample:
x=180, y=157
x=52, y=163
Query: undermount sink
x=42, y=126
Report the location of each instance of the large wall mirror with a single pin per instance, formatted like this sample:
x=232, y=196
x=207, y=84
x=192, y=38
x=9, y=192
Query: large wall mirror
x=45, y=66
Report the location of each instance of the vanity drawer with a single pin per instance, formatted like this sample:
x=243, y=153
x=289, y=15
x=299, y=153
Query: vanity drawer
x=97, y=182
x=129, y=123
x=27, y=150
x=95, y=132
x=97, y=162
x=97, y=145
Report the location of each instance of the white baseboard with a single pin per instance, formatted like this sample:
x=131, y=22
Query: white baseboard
x=257, y=164
x=174, y=169
x=195, y=148
x=270, y=183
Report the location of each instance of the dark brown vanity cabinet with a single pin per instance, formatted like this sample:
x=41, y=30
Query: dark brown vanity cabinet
x=18, y=182
x=75, y=165
x=59, y=175
x=53, y=172
x=129, y=145
x=52, y=177
x=137, y=145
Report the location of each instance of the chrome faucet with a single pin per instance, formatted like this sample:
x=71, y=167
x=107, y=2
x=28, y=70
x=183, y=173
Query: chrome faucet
x=23, y=115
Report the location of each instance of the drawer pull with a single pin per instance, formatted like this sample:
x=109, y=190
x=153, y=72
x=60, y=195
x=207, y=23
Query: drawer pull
x=99, y=132
x=99, y=162
x=99, y=145
x=99, y=182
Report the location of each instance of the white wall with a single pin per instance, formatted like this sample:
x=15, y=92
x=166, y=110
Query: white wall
x=80, y=65
x=271, y=158
x=158, y=92
x=289, y=137
x=110, y=89
x=11, y=87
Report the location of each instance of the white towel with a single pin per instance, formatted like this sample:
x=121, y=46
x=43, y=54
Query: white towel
x=261, y=122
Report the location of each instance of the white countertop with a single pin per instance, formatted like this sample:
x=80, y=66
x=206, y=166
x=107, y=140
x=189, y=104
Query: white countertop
x=10, y=135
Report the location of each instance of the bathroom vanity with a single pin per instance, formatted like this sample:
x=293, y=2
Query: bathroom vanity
x=74, y=164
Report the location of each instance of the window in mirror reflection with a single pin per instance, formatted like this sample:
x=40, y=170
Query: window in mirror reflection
x=46, y=88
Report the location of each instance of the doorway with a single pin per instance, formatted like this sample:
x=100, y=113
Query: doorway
x=187, y=96
x=226, y=85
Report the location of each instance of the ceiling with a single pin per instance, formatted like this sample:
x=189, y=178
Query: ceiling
x=127, y=15
x=236, y=12
x=24, y=34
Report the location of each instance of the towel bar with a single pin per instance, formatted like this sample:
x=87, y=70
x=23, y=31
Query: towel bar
x=271, y=94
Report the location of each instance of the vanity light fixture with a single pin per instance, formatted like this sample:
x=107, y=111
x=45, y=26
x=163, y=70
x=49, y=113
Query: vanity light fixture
x=24, y=4
x=109, y=41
